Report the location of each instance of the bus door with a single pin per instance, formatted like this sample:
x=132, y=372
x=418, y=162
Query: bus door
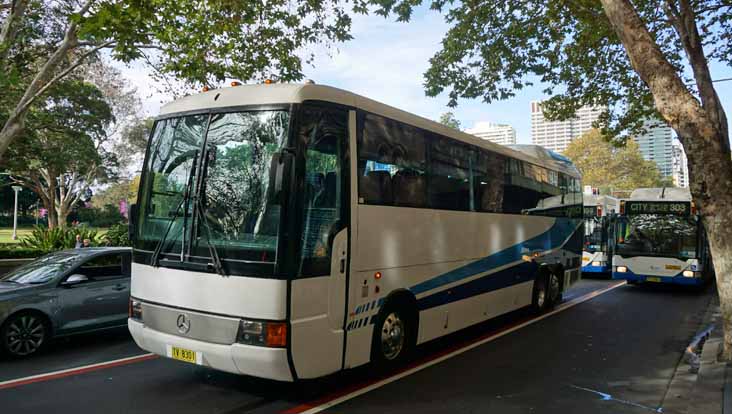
x=318, y=291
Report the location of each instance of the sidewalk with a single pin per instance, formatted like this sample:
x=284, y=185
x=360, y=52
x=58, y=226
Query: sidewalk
x=701, y=383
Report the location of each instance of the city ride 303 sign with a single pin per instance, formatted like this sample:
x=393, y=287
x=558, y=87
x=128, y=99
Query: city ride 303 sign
x=657, y=207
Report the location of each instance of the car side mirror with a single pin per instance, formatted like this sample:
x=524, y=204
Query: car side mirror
x=75, y=279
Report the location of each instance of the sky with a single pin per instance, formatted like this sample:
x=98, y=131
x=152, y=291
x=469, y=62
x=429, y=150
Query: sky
x=386, y=61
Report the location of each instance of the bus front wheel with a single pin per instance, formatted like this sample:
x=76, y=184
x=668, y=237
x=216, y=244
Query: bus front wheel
x=547, y=291
x=393, y=336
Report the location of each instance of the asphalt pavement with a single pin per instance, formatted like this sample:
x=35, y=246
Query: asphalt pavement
x=614, y=353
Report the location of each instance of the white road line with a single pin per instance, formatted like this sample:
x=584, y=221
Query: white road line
x=354, y=394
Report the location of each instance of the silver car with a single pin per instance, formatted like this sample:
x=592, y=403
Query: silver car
x=63, y=293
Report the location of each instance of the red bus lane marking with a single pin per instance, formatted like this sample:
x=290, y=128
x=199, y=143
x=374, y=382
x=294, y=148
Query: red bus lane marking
x=75, y=371
x=354, y=391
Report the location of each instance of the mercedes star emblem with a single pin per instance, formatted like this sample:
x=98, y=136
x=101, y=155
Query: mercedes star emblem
x=183, y=323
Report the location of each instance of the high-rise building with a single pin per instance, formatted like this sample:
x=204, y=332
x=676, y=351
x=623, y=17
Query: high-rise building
x=680, y=167
x=499, y=133
x=556, y=135
x=656, y=145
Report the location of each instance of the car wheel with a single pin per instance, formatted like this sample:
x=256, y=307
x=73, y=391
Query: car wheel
x=24, y=334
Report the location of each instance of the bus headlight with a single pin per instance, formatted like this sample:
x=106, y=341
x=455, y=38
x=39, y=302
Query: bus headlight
x=261, y=333
x=621, y=269
x=596, y=264
x=688, y=273
x=135, y=311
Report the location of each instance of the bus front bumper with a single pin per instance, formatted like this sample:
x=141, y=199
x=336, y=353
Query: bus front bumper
x=677, y=280
x=256, y=361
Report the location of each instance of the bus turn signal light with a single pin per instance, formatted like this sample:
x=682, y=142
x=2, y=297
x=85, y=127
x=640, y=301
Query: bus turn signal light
x=235, y=83
x=276, y=334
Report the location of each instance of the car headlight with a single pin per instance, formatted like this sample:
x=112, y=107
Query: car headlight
x=596, y=264
x=262, y=333
x=621, y=269
x=688, y=273
x=135, y=309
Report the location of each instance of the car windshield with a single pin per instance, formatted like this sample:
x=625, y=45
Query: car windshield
x=657, y=235
x=42, y=270
x=233, y=213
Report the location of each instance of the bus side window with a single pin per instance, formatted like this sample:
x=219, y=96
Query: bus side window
x=325, y=135
x=391, y=163
x=488, y=175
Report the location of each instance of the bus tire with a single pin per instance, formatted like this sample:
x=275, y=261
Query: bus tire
x=554, y=289
x=539, y=302
x=394, y=335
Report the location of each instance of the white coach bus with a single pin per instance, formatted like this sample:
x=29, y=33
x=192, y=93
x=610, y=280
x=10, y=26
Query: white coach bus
x=290, y=231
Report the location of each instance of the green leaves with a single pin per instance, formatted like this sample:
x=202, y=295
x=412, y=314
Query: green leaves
x=205, y=42
x=495, y=48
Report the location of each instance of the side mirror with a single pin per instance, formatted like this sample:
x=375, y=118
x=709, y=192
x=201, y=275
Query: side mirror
x=75, y=279
x=132, y=221
x=279, y=168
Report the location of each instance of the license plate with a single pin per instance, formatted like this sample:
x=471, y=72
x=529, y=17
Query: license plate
x=653, y=279
x=182, y=354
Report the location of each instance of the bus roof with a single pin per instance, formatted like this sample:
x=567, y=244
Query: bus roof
x=285, y=93
x=660, y=194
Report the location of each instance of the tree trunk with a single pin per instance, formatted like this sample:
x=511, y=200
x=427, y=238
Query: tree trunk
x=705, y=141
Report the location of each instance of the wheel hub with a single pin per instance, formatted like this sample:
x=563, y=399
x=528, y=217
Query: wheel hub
x=392, y=336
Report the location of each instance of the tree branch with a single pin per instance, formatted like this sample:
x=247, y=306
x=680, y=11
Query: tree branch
x=11, y=26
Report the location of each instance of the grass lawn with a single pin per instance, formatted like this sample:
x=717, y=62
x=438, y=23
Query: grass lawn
x=6, y=234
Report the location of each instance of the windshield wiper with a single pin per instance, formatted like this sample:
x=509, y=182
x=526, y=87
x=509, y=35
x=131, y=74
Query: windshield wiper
x=184, y=201
x=198, y=209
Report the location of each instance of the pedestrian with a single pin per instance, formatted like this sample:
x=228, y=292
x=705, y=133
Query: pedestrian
x=87, y=243
x=78, y=244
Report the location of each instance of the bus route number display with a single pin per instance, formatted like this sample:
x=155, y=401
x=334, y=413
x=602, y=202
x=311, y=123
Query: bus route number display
x=660, y=207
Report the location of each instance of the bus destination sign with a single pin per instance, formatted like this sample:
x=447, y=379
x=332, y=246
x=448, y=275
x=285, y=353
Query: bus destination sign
x=678, y=208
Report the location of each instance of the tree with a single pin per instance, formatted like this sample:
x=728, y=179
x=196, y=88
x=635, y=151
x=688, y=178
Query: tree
x=610, y=167
x=121, y=190
x=200, y=42
x=61, y=155
x=448, y=119
x=641, y=59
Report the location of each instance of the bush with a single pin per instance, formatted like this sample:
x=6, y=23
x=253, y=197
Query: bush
x=56, y=239
x=20, y=253
x=99, y=217
x=117, y=235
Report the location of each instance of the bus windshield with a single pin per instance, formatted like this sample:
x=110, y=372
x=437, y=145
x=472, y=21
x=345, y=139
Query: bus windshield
x=657, y=235
x=593, y=234
x=222, y=160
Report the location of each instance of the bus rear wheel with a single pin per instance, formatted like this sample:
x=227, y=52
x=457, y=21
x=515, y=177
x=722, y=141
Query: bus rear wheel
x=393, y=338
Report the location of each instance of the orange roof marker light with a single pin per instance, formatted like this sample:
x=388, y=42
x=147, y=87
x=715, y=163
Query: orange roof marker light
x=268, y=81
x=205, y=89
x=235, y=83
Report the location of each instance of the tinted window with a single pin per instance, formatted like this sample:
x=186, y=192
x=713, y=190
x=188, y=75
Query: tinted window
x=391, y=163
x=489, y=175
x=449, y=180
x=108, y=266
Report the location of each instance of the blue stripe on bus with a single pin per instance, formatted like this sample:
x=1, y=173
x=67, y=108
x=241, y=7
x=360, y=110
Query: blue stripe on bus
x=522, y=272
x=550, y=239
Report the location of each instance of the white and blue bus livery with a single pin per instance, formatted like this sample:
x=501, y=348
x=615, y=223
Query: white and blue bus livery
x=291, y=231
x=596, y=255
x=659, y=237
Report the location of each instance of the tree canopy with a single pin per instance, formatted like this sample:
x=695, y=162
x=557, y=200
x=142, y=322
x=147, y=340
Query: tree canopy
x=198, y=42
x=448, y=119
x=609, y=167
